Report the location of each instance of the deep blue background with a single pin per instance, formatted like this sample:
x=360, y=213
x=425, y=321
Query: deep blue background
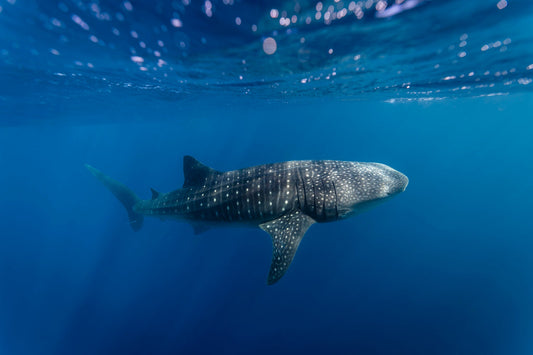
x=441, y=92
x=444, y=268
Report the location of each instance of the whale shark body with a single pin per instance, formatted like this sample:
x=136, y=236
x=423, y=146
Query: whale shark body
x=283, y=199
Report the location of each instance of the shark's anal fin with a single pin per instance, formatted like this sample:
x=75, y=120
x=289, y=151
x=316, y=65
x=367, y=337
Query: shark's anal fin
x=196, y=173
x=286, y=231
x=199, y=228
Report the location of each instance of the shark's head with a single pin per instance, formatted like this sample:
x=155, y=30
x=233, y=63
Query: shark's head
x=364, y=185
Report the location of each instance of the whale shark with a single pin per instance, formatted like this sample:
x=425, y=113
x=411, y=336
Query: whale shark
x=283, y=199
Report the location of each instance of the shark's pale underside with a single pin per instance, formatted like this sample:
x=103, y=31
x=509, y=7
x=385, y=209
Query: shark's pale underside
x=283, y=199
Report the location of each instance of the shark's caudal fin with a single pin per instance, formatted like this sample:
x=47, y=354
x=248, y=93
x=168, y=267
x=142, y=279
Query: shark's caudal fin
x=123, y=194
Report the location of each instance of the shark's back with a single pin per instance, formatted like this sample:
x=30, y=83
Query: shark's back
x=253, y=195
x=250, y=195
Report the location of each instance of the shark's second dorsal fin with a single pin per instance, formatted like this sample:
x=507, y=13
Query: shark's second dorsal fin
x=155, y=194
x=287, y=232
x=196, y=173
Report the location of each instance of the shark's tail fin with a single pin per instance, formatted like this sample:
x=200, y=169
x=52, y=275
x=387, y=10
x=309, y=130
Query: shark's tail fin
x=124, y=195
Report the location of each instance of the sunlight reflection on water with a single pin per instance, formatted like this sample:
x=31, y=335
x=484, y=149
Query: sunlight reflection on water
x=390, y=50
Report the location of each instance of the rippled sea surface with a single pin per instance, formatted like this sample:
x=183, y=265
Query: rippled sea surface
x=274, y=50
x=439, y=90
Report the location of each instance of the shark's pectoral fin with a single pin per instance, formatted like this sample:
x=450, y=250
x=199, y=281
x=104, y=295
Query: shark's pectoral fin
x=286, y=231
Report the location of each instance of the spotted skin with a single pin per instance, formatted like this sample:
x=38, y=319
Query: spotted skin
x=284, y=199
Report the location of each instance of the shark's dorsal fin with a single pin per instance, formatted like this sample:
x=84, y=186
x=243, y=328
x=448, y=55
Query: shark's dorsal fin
x=196, y=173
x=155, y=194
x=286, y=231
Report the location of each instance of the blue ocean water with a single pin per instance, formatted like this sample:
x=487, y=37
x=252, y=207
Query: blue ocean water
x=440, y=90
